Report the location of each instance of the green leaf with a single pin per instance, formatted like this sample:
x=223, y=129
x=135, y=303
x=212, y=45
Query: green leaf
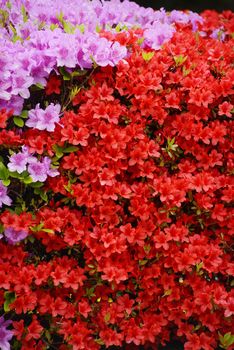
x=226, y=340
x=27, y=180
x=99, y=341
x=41, y=193
x=37, y=184
x=6, y=182
x=70, y=149
x=53, y=26
x=199, y=266
x=81, y=27
x=31, y=239
x=140, y=41
x=143, y=262
x=79, y=73
x=64, y=73
x=18, y=121
x=9, y=299
x=37, y=228
x=180, y=59
x=98, y=29
x=147, y=248
x=107, y=317
x=68, y=27
x=58, y=151
x=8, y=5
x=4, y=172
x=48, y=230
x=147, y=56
x=39, y=86
x=15, y=175
x=24, y=13
x=167, y=292
x=24, y=114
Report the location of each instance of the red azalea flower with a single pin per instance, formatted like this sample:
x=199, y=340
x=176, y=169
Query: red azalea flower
x=53, y=85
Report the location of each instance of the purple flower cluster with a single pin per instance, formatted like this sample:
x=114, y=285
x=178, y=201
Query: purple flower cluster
x=38, y=170
x=41, y=38
x=5, y=334
x=4, y=198
x=14, y=236
x=44, y=119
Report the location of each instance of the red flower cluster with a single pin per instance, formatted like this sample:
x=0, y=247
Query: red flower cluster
x=131, y=244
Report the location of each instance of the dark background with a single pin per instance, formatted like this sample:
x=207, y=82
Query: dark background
x=194, y=5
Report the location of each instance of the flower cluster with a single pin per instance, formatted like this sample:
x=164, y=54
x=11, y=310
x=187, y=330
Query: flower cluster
x=35, y=39
x=116, y=167
x=24, y=161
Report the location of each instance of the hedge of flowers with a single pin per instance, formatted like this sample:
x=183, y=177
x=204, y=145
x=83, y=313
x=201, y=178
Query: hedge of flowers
x=116, y=187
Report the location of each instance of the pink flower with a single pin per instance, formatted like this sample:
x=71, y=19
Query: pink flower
x=4, y=199
x=14, y=236
x=44, y=119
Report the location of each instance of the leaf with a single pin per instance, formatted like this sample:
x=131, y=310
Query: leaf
x=79, y=72
x=47, y=230
x=199, y=266
x=37, y=184
x=18, y=121
x=58, y=151
x=9, y=299
x=143, y=262
x=140, y=41
x=147, y=56
x=4, y=172
x=226, y=340
x=70, y=149
x=180, y=59
x=6, y=182
x=81, y=27
x=41, y=193
x=39, y=86
x=99, y=341
x=37, y=228
x=53, y=26
x=107, y=317
x=64, y=73
x=24, y=114
x=68, y=27
x=27, y=180
x=31, y=239
x=167, y=292
x=147, y=248
x=24, y=14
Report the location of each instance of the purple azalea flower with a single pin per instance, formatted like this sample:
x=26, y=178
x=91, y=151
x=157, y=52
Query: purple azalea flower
x=15, y=104
x=37, y=171
x=5, y=334
x=4, y=199
x=117, y=53
x=44, y=119
x=158, y=34
x=14, y=236
x=19, y=160
x=49, y=171
x=50, y=117
x=218, y=34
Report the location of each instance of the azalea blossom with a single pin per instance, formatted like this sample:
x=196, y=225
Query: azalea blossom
x=44, y=119
x=4, y=198
x=14, y=236
x=5, y=334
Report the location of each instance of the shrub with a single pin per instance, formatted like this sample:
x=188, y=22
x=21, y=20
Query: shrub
x=116, y=188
